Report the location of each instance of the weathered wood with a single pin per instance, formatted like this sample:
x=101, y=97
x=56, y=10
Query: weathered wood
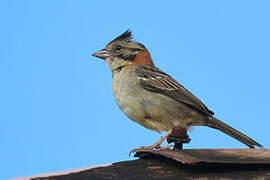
x=212, y=164
x=194, y=156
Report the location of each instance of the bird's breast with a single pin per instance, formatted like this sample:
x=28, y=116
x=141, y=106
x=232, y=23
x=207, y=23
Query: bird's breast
x=127, y=94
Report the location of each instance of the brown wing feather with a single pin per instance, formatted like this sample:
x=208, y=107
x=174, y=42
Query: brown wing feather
x=153, y=79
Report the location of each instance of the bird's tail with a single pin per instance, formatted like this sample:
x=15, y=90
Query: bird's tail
x=217, y=124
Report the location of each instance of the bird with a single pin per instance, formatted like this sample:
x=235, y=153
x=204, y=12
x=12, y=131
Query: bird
x=152, y=98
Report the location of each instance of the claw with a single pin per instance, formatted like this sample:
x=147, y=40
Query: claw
x=131, y=152
x=141, y=149
x=153, y=147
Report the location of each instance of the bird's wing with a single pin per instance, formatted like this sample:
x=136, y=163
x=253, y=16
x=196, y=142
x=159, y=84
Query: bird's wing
x=155, y=80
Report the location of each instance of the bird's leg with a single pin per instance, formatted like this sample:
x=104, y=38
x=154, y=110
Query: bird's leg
x=156, y=145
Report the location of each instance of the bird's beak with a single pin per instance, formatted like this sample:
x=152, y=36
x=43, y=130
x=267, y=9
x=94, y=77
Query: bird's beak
x=103, y=54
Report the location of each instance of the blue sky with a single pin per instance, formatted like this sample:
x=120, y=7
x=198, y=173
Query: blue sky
x=57, y=110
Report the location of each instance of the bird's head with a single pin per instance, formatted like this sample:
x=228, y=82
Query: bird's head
x=122, y=51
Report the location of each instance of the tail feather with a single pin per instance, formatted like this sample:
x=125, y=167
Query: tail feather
x=217, y=124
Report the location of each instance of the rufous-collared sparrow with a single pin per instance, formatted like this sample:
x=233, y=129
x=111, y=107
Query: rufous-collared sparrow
x=151, y=97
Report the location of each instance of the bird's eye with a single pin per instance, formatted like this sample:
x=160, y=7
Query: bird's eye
x=118, y=47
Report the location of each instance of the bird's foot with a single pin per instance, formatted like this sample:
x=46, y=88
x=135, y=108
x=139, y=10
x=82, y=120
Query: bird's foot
x=141, y=149
x=152, y=147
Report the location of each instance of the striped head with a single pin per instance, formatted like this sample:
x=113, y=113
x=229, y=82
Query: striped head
x=122, y=51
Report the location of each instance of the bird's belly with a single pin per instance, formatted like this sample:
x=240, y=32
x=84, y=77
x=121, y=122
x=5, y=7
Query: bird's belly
x=152, y=110
x=138, y=113
x=130, y=106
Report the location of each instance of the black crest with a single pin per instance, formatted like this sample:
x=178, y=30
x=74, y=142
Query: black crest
x=126, y=36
